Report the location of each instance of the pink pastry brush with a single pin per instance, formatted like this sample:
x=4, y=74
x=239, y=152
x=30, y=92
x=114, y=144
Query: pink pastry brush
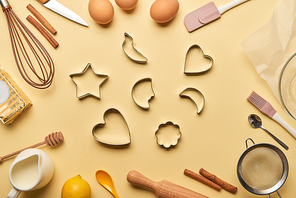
x=266, y=108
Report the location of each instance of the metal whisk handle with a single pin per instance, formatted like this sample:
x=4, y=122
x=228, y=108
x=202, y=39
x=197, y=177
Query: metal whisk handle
x=4, y=3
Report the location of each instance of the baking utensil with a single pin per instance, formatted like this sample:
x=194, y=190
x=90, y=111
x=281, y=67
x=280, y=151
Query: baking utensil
x=62, y=10
x=89, y=66
x=262, y=169
x=25, y=44
x=287, y=89
x=255, y=122
x=200, y=104
x=143, y=80
x=105, y=133
x=168, y=134
x=106, y=181
x=162, y=189
x=266, y=108
x=202, y=69
x=206, y=14
x=52, y=139
x=136, y=60
x=31, y=170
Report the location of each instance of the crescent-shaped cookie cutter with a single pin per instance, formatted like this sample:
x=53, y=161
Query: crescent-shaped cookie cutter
x=204, y=55
x=158, y=141
x=199, y=92
x=126, y=35
x=103, y=124
x=132, y=92
x=80, y=74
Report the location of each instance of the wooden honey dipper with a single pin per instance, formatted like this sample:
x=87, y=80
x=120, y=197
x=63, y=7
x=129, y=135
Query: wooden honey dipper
x=52, y=139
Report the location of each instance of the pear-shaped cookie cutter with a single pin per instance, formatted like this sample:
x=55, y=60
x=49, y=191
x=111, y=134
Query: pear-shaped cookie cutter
x=204, y=55
x=101, y=125
x=126, y=35
x=182, y=95
x=132, y=92
x=172, y=143
x=80, y=74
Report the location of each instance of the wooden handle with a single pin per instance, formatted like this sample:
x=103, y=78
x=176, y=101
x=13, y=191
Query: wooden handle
x=43, y=1
x=163, y=189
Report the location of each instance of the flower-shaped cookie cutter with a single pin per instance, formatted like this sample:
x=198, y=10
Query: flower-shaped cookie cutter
x=101, y=125
x=172, y=140
x=152, y=96
x=204, y=55
x=80, y=74
x=144, y=61
x=182, y=95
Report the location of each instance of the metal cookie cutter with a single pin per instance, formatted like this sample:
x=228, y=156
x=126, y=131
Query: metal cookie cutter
x=204, y=55
x=182, y=95
x=126, y=35
x=111, y=141
x=165, y=141
x=132, y=92
x=80, y=74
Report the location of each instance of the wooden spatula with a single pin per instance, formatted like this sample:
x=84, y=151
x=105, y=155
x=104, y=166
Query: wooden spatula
x=206, y=14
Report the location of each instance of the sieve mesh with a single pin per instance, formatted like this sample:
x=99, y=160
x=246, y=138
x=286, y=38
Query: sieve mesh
x=261, y=168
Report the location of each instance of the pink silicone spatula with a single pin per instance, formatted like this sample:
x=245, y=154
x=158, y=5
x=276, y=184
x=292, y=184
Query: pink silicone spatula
x=207, y=14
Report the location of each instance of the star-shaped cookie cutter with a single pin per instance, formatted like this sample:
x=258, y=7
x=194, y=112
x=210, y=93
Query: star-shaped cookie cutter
x=204, y=55
x=80, y=74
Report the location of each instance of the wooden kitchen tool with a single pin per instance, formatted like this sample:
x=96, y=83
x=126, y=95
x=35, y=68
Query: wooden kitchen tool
x=52, y=139
x=164, y=188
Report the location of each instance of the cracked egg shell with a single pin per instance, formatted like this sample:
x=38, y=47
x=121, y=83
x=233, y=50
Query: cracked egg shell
x=101, y=11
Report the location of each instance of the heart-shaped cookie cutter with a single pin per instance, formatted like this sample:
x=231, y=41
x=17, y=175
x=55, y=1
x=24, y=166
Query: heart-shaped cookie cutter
x=126, y=35
x=204, y=55
x=172, y=143
x=103, y=124
x=182, y=95
x=132, y=92
x=80, y=74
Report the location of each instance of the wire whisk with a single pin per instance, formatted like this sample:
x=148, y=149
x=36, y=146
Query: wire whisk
x=25, y=44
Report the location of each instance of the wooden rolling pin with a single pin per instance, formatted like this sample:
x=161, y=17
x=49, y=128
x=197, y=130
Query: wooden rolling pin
x=52, y=139
x=164, y=188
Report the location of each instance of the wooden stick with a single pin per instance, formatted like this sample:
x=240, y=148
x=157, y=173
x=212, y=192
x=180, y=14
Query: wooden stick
x=52, y=139
x=41, y=19
x=218, y=181
x=43, y=31
x=202, y=179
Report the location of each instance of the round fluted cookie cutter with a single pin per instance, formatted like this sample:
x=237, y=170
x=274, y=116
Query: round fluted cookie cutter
x=204, y=55
x=132, y=92
x=165, y=143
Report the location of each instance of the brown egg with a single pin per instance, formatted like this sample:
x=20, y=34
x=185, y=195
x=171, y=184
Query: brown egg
x=126, y=4
x=101, y=11
x=163, y=11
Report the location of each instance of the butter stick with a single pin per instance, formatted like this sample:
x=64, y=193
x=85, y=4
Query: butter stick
x=13, y=101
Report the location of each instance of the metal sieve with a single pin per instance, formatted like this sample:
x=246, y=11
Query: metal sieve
x=276, y=154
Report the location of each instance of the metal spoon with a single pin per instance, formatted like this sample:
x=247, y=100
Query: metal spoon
x=255, y=121
x=106, y=181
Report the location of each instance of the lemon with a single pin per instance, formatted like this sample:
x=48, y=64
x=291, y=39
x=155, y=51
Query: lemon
x=76, y=187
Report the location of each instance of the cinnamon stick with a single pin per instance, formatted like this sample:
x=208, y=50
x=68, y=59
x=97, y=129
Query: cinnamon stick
x=41, y=19
x=43, y=31
x=202, y=179
x=218, y=181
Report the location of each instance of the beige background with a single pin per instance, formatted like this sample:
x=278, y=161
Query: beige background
x=214, y=140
